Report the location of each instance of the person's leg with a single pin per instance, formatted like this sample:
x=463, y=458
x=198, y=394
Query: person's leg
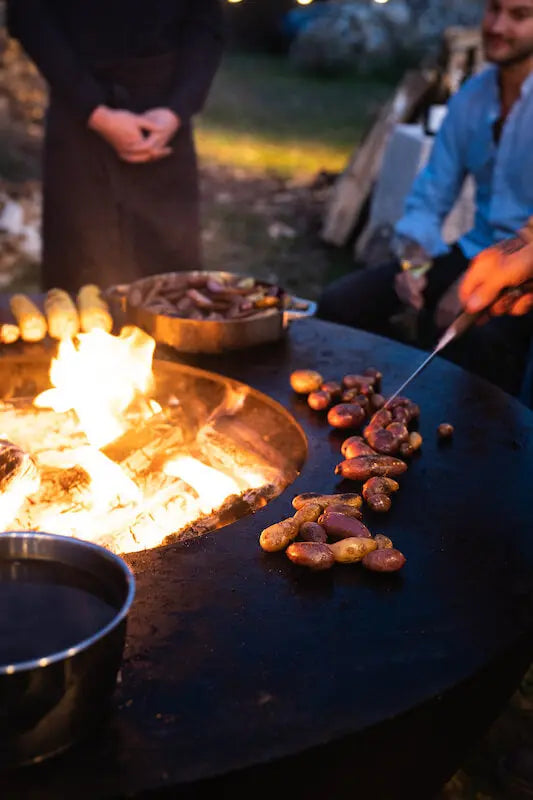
x=363, y=299
x=497, y=351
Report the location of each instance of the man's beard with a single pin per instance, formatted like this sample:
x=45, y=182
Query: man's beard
x=517, y=57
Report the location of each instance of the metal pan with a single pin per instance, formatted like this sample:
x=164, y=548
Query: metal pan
x=63, y=625
x=210, y=336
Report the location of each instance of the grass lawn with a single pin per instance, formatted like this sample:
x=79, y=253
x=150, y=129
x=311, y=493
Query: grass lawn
x=266, y=132
x=263, y=115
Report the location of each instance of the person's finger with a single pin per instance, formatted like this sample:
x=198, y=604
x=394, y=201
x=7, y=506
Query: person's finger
x=500, y=307
x=147, y=124
x=144, y=157
x=523, y=305
x=135, y=158
x=161, y=153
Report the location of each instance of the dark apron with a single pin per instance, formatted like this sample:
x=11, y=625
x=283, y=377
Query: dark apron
x=106, y=221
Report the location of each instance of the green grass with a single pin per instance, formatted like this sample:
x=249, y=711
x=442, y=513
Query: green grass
x=264, y=116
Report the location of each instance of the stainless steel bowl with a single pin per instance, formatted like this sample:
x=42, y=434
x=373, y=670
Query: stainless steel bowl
x=52, y=699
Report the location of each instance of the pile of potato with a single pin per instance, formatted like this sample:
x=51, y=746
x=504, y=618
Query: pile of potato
x=63, y=317
x=378, y=456
x=208, y=296
x=327, y=529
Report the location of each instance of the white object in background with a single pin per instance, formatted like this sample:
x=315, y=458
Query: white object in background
x=406, y=154
x=435, y=118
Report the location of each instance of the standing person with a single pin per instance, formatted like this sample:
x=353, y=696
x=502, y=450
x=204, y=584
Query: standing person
x=487, y=133
x=120, y=180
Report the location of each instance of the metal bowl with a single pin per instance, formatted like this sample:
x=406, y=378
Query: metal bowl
x=209, y=336
x=77, y=595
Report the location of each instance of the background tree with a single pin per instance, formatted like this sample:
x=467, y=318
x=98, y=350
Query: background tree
x=257, y=24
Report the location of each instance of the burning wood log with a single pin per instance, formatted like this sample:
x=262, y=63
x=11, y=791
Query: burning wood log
x=19, y=478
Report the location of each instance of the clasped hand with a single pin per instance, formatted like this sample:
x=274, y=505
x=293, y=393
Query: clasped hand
x=136, y=138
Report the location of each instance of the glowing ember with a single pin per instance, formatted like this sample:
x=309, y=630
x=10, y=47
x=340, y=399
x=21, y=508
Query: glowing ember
x=152, y=488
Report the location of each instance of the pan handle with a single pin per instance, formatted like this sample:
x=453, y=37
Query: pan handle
x=308, y=310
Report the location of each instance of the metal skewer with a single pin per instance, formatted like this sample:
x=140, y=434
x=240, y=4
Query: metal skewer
x=463, y=322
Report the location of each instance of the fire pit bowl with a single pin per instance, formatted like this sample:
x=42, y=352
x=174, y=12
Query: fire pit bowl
x=62, y=629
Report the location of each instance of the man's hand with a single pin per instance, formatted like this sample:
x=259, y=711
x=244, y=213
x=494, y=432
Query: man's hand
x=136, y=138
x=410, y=288
x=449, y=306
x=495, y=269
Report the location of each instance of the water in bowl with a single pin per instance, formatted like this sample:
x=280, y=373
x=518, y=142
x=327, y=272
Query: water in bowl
x=47, y=607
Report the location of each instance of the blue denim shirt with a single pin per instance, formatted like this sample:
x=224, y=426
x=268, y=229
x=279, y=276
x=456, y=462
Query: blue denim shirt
x=464, y=145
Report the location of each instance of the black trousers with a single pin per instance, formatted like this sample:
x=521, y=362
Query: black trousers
x=106, y=221
x=497, y=350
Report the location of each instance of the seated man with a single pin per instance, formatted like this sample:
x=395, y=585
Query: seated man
x=488, y=133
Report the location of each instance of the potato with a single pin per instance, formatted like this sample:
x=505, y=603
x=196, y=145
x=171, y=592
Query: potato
x=319, y=401
x=377, y=401
x=349, y=551
x=383, y=441
x=380, y=419
x=312, y=532
x=383, y=542
x=309, y=512
x=333, y=387
x=374, y=373
x=380, y=485
x=325, y=500
x=305, y=381
x=355, y=446
x=399, y=430
x=278, y=536
x=380, y=503
x=362, y=468
x=445, y=430
x=344, y=508
x=339, y=526
x=314, y=555
x=360, y=382
x=346, y=415
x=415, y=440
x=386, y=560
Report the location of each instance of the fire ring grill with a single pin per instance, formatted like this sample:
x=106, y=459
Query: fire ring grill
x=243, y=673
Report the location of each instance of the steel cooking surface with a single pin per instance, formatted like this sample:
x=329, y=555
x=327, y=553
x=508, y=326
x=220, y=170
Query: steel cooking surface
x=238, y=664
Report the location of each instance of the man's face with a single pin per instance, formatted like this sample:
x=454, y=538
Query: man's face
x=508, y=31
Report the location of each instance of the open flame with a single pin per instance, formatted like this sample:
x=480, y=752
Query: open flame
x=99, y=379
x=100, y=397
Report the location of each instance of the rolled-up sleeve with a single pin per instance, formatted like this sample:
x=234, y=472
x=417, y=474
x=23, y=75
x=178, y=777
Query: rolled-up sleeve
x=32, y=23
x=199, y=47
x=437, y=186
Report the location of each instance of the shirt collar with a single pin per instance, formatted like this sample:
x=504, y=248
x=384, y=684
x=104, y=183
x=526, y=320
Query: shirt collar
x=525, y=89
